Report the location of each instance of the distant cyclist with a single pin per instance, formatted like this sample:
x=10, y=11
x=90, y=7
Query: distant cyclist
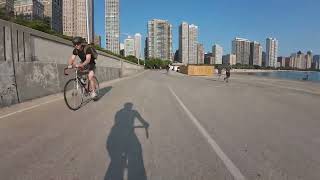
x=167, y=68
x=86, y=55
x=228, y=69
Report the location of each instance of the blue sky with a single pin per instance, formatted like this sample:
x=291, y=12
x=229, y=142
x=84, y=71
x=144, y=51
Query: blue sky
x=295, y=23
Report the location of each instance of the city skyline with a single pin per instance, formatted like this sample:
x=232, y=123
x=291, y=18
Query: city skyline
x=226, y=25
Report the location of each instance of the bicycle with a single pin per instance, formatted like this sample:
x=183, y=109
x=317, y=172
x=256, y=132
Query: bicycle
x=77, y=88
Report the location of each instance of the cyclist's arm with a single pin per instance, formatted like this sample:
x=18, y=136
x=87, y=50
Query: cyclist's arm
x=72, y=60
x=144, y=122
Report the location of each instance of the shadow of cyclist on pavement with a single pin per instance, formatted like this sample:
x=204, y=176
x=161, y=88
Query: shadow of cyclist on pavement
x=124, y=147
x=103, y=92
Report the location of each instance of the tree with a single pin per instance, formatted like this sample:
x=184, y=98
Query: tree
x=3, y=14
x=132, y=59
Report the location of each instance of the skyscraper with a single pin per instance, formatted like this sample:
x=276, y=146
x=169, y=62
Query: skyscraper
x=200, y=54
x=112, y=28
x=129, y=46
x=241, y=48
x=137, y=45
x=316, y=61
x=298, y=61
x=255, y=54
x=188, y=43
x=193, y=44
x=159, y=39
x=53, y=10
x=282, y=61
x=309, y=59
x=176, y=56
x=184, y=43
x=217, y=52
x=272, y=52
x=75, y=18
x=264, y=57
x=229, y=59
x=207, y=58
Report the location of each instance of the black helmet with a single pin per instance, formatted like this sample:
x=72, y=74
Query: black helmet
x=77, y=40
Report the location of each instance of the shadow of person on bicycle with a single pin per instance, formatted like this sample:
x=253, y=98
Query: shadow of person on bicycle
x=124, y=147
x=102, y=92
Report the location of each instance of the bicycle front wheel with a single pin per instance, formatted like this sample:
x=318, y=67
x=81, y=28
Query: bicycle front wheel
x=73, y=94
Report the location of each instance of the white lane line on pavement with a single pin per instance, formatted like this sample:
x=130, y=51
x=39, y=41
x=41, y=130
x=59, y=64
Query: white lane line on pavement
x=29, y=108
x=103, y=85
x=227, y=162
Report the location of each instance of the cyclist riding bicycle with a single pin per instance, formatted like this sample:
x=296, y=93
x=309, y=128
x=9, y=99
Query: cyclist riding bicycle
x=167, y=68
x=85, y=53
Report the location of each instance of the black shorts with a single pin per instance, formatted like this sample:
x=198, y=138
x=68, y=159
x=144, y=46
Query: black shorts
x=90, y=67
x=228, y=74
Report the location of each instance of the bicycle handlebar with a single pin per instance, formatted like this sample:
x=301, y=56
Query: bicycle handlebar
x=66, y=74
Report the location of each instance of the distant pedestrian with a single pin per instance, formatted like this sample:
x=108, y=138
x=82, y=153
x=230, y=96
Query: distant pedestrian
x=306, y=78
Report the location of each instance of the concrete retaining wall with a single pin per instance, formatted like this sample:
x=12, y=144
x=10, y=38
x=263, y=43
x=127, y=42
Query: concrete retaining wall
x=32, y=63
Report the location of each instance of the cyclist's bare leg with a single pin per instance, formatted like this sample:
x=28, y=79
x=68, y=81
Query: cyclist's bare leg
x=92, y=82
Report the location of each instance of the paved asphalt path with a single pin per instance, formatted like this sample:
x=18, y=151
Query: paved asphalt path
x=199, y=128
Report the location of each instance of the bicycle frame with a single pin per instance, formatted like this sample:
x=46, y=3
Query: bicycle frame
x=77, y=79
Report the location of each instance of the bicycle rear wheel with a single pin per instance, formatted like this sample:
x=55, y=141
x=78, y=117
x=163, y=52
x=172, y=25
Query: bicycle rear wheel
x=73, y=94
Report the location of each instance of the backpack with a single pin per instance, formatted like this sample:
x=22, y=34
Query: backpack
x=94, y=51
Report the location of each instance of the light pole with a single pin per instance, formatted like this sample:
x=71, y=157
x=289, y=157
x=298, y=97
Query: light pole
x=88, y=24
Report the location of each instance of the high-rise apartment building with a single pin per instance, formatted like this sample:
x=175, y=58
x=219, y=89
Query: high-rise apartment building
x=241, y=48
x=137, y=45
x=200, y=54
x=112, y=29
x=298, y=61
x=281, y=61
x=229, y=59
x=129, y=46
x=309, y=59
x=193, y=44
x=188, y=43
x=184, y=43
x=316, y=61
x=272, y=52
x=207, y=58
x=217, y=52
x=255, y=54
x=159, y=39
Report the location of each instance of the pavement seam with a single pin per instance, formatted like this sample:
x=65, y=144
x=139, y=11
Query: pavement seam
x=225, y=159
